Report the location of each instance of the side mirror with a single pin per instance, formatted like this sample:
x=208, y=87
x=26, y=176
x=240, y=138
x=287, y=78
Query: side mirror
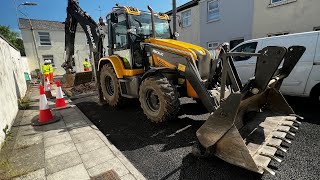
x=176, y=34
x=114, y=17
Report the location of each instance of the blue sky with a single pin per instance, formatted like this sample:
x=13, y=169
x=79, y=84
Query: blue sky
x=56, y=9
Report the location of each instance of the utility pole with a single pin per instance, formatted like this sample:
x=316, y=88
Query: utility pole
x=174, y=16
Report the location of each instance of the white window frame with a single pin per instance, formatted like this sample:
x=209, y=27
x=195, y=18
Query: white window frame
x=279, y=3
x=49, y=57
x=186, y=17
x=210, y=45
x=208, y=11
x=47, y=34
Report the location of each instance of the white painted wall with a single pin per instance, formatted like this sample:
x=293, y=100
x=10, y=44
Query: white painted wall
x=292, y=16
x=190, y=34
x=56, y=49
x=12, y=84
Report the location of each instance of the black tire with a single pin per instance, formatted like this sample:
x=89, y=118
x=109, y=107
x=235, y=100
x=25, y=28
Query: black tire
x=315, y=95
x=159, y=99
x=110, y=86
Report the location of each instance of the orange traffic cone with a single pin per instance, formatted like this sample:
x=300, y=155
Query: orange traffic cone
x=60, y=103
x=47, y=88
x=45, y=116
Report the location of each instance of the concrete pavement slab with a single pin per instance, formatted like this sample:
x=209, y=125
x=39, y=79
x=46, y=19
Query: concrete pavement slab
x=81, y=129
x=62, y=161
x=24, y=141
x=90, y=145
x=127, y=177
x=85, y=136
x=60, y=138
x=77, y=172
x=39, y=174
x=114, y=164
x=96, y=157
x=59, y=149
x=54, y=126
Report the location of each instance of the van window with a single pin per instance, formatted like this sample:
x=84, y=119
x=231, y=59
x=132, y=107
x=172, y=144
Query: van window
x=248, y=47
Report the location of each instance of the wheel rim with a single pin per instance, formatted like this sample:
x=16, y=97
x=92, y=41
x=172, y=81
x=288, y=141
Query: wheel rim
x=152, y=100
x=109, y=85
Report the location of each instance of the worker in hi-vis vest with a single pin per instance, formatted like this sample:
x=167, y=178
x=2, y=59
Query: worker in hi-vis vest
x=86, y=65
x=46, y=70
x=50, y=72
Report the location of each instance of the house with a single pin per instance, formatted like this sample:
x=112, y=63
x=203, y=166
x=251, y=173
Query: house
x=188, y=24
x=279, y=17
x=50, y=40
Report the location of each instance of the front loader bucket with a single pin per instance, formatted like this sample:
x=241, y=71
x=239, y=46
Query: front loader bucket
x=250, y=125
x=71, y=80
x=248, y=133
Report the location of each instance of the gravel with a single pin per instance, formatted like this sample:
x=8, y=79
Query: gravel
x=162, y=151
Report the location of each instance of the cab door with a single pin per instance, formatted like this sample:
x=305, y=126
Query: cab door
x=245, y=65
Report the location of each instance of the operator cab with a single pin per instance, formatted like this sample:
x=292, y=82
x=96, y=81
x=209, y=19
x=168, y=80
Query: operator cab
x=128, y=27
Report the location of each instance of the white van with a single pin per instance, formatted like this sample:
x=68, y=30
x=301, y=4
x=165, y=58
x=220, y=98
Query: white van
x=304, y=79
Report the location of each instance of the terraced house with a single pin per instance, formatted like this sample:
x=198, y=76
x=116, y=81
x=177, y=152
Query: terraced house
x=211, y=22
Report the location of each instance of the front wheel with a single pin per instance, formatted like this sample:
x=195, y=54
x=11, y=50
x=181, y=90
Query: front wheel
x=159, y=99
x=110, y=86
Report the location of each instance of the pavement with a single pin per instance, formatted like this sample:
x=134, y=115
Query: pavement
x=162, y=151
x=73, y=148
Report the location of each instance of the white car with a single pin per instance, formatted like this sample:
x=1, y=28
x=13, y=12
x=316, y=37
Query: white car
x=304, y=79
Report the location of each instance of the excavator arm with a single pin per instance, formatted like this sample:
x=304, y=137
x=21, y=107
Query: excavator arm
x=94, y=34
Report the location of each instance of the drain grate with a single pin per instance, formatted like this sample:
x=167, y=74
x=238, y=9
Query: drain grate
x=108, y=175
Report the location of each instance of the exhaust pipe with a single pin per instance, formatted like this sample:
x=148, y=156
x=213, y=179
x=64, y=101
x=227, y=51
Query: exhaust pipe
x=153, y=35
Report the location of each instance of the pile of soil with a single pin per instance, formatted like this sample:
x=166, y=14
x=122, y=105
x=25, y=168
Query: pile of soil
x=80, y=89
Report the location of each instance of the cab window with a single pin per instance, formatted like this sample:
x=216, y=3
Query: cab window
x=248, y=47
x=120, y=30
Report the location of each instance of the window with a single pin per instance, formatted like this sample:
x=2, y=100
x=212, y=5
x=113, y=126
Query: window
x=44, y=38
x=212, y=45
x=186, y=18
x=277, y=34
x=120, y=30
x=213, y=10
x=277, y=1
x=235, y=42
x=48, y=57
x=248, y=47
x=316, y=28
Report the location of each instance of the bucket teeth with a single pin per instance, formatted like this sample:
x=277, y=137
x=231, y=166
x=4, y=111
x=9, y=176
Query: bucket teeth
x=291, y=126
x=271, y=157
x=269, y=170
x=297, y=116
x=294, y=120
x=278, y=147
x=288, y=132
x=282, y=138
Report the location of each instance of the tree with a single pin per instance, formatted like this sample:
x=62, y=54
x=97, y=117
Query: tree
x=11, y=36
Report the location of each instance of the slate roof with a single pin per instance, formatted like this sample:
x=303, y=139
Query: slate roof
x=43, y=25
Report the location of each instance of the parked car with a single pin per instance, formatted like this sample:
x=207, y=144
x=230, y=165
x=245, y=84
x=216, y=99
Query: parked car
x=304, y=80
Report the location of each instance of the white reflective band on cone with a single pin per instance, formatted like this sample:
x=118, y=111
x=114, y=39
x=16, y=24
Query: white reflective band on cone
x=46, y=86
x=43, y=102
x=59, y=93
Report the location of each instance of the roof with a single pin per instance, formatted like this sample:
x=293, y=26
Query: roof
x=43, y=24
x=187, y=5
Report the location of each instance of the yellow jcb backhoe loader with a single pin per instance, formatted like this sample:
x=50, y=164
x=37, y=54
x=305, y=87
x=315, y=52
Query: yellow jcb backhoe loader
x=248, y=122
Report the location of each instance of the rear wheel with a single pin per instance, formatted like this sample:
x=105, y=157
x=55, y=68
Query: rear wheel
x=110, y=85
x=159, y=99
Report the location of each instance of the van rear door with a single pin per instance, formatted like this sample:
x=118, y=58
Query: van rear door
x=296, y=82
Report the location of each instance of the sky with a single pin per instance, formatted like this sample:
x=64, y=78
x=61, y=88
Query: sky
x=56, y=9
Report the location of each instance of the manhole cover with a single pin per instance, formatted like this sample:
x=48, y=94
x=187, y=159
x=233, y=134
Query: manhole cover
x=109, y=175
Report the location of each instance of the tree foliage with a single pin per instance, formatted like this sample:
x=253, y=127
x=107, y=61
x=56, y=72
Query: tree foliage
x=11, y=36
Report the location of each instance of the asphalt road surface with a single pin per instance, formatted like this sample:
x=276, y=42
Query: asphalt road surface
x=162, y=151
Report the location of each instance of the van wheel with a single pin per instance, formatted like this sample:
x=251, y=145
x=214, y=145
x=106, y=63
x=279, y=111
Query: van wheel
x=315, y=94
